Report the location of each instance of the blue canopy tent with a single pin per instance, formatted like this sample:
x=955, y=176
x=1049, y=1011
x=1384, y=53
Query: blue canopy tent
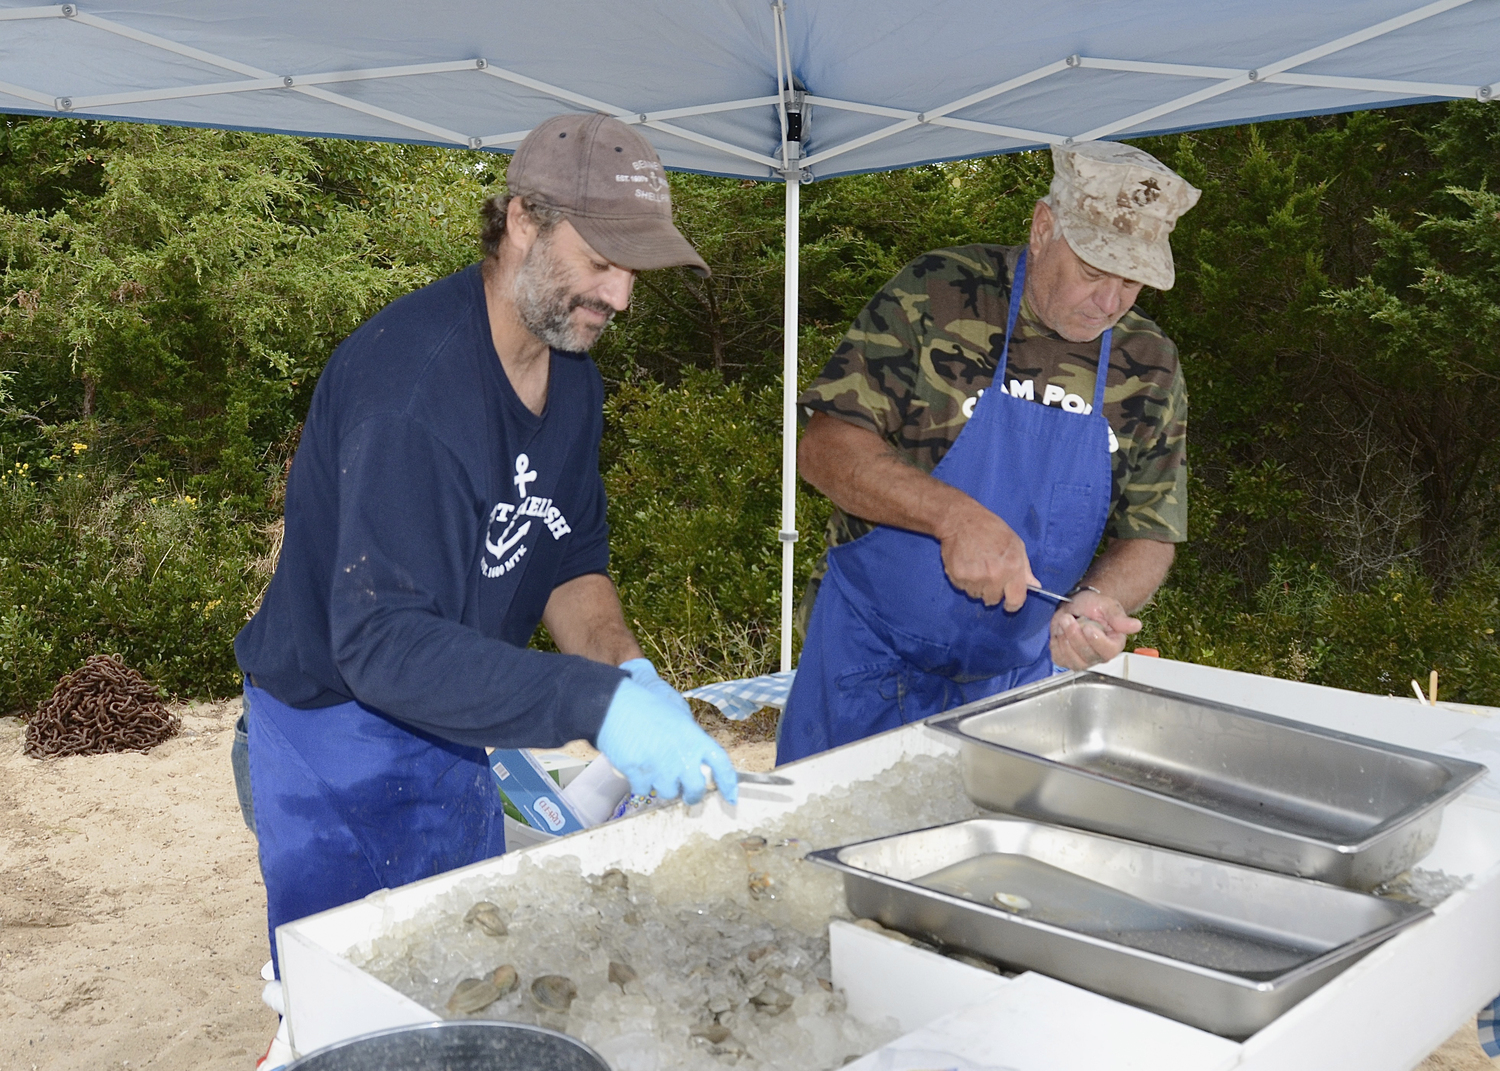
x=800, y=90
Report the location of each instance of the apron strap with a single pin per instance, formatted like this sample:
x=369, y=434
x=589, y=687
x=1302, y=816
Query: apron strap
x=1017, y=289
x=1103, y=372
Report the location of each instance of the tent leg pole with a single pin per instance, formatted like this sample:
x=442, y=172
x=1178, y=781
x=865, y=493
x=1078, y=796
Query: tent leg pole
x=788, y=532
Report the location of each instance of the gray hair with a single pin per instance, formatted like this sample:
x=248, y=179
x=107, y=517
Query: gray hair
x=492, y=218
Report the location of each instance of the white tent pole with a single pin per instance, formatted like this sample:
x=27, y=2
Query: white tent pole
x=788, y=534
x=791, y=173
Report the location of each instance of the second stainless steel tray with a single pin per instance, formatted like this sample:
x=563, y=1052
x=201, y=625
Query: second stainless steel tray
x=1222, y=947
x=1100, y=753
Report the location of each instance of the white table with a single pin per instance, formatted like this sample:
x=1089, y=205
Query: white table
x=1386, y=1013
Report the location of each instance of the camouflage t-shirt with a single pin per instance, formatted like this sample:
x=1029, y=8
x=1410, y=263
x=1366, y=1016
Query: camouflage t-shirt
x=919, y=355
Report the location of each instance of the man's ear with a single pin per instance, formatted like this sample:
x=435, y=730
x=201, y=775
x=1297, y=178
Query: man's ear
x=1041, y=227
x=520, y=228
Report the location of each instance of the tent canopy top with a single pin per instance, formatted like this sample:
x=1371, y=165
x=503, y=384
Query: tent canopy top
x=876, y=83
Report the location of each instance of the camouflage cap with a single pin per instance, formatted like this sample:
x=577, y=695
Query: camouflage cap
x=1117, y=206
x=606, y=180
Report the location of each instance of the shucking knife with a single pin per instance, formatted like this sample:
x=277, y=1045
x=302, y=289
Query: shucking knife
x=746, y=777
x=749, y=778
x=1060, y=599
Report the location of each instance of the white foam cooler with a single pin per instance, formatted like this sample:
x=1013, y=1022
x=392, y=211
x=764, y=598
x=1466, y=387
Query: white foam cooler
x=1386, y=1013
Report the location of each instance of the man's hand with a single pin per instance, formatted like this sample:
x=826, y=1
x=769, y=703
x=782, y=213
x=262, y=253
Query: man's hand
x=1089, y=630
x=1092, y=628
x=865, y=477
x=654, y=741
x=644, y=673
x=984, y=557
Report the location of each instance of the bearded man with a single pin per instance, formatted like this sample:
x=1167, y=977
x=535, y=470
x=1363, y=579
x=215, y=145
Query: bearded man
x=445, y=498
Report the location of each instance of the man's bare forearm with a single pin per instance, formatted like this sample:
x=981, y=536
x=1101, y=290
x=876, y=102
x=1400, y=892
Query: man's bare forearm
x=862, y=475
x=584, y=618
x=1130, y=570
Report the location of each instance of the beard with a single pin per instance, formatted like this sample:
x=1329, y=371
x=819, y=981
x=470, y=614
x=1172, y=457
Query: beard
x=544, y=301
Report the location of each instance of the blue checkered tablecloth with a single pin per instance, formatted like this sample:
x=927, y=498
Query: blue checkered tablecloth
x=1489, y=1021
x=741, y=698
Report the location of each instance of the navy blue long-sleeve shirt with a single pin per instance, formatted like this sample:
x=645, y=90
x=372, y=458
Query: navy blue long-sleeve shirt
x=429, y=515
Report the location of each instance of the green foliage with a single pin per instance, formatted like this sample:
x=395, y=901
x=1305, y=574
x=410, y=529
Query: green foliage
x=693, y=473
x=1424, y=325
x=91, y=564
x=182, y=288
x=857, y=232
x=168, y=298
x=729, y=323
x=1304, y=625
x=1334, y=285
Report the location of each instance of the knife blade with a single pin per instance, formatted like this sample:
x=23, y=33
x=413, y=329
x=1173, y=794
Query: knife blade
x=750, y=778
x=1083, y=619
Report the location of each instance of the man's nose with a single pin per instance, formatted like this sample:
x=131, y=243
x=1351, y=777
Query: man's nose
x=1109, y=295
x=616, y=286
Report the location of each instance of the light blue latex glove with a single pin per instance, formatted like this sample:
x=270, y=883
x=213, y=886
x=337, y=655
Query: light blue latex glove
x=644, y=673
x=657, y=745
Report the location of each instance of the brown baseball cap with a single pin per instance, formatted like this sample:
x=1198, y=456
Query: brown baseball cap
x=1117, y=206
x=607, y=181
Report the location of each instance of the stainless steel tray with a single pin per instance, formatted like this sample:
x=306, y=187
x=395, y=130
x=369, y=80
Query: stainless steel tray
x=1222, y=947
x=1116, y=757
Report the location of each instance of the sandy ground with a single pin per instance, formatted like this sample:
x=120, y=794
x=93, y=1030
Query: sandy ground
x=132, y=919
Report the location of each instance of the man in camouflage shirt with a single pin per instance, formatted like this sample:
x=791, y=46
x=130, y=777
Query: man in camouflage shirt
x=907, y=379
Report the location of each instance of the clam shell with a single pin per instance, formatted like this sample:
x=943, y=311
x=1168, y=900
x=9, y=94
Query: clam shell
x=553, y=992
x=488, y=918
x=471, y=995
x=772, y=998
x=505, y=979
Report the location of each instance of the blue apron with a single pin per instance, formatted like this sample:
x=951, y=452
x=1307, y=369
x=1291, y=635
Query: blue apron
x=348, y=801
x=891, y=640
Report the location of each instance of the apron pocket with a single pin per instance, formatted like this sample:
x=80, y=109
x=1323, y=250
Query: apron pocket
x=1072, y=519
x=871, y=697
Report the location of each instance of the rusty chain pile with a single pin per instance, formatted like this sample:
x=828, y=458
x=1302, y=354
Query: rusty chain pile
x=103, y=706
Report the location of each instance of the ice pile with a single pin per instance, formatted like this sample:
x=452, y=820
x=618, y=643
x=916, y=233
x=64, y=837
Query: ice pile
x=718, y=957
x=1426, y=887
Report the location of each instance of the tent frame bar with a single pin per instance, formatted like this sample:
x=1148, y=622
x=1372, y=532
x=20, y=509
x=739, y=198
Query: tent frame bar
x=1227, y=80
x=1239, y=80
x=1325, y=81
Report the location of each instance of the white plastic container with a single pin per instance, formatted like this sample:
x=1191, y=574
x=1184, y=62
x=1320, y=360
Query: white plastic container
x=596, y=791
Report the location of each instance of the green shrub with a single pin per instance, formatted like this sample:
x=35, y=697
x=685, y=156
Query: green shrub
x=1303, y=625
x=694, y=480
x=93, y=564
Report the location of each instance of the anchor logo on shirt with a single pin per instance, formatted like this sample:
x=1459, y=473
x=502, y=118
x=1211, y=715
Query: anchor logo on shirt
x=507, y=540
x=523, y=475
x=504, y=553
x=511, y=536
